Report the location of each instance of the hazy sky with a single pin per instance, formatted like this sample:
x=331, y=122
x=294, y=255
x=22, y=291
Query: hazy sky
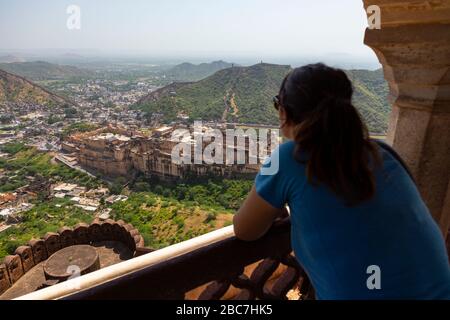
x=269, y=28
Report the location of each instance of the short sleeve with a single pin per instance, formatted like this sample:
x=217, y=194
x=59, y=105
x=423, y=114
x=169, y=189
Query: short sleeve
x=270, y=184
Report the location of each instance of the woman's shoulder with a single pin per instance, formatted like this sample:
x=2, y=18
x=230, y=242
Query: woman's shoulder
x=287, y=149
x=289, y=154
x=286, y=154
x=283, y=163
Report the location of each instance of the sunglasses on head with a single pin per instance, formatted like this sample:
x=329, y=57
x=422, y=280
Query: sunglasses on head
x=276, y=102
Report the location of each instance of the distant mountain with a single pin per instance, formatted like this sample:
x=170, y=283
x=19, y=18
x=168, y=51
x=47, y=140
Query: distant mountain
x=41, y=70
x=193, y=72
x=72, y=55
x=17, y=89
x=244, y=94
x=11, y=58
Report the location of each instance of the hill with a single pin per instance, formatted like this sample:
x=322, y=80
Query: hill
x=11, y=58
x=41, y=70
x=244, y=94
x=231, y=94
x=371, y=97
x=192, y=72
x=17, y=89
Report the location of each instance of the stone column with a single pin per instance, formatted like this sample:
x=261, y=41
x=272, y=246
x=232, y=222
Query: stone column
x=413, y=45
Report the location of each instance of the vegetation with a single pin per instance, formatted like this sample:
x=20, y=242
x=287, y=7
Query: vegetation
x=45, y=217
x=163, y=216
x=164, y=213
x=52, y=119
x=217, y=194
x=371, y=98
x=28, y=162
x=41, y=70
x=70, y=112
x=163, y=221
x=13, y=147
x=6, y=118
x=251, y=88
x=244, y=94
x=117, y=186
x=167, y=213
x=19, y=90
x=78, y=127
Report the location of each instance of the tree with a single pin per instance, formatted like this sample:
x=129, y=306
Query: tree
x=141, y=187
x=70, y=112
x=109, y=104
x=117, y=186
x=6, y=118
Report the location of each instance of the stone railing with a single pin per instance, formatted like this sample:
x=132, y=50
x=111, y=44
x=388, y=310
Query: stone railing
x=213, y=266
x=26, y=257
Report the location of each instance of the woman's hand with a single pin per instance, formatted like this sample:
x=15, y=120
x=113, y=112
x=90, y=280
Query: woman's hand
x=255, y=217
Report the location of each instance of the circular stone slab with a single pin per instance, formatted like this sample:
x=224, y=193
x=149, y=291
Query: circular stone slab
x=71, y=261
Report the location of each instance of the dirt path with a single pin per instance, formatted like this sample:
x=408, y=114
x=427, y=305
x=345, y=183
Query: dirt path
x=234, y=105
x=229, y=100
x=227, y=107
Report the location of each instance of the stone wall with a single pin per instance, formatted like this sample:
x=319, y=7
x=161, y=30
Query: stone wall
x=414, y=48
x=27, y=256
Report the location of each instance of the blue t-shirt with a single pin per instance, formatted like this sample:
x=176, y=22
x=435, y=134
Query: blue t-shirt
x=337, y=244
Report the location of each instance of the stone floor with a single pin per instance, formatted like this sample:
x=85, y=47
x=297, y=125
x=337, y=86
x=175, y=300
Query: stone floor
x=110, y=252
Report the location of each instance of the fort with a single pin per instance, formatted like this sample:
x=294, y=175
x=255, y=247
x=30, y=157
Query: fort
x=114, y=151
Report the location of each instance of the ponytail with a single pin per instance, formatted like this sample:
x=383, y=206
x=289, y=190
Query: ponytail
x=331, y=138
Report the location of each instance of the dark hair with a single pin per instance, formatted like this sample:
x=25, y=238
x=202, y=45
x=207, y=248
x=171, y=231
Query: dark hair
x=317, y=99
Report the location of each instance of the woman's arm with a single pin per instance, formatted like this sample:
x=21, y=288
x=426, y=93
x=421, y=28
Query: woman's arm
x=255, y=217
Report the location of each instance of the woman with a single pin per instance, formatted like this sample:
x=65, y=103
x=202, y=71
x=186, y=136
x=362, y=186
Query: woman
x=359, y=226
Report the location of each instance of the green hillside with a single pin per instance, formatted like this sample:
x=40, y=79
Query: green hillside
x=41, y=70
x=371, y=97
x=17, y=89
x=244, y=94
x=192, y=72
x=232, y=94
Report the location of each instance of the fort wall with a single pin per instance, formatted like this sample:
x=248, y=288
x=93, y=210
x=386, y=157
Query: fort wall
x=116, y=152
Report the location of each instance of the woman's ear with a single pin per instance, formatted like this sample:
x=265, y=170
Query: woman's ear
x=282, y=113
x=284, y=121
x=283, y=117
x=285, y=124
